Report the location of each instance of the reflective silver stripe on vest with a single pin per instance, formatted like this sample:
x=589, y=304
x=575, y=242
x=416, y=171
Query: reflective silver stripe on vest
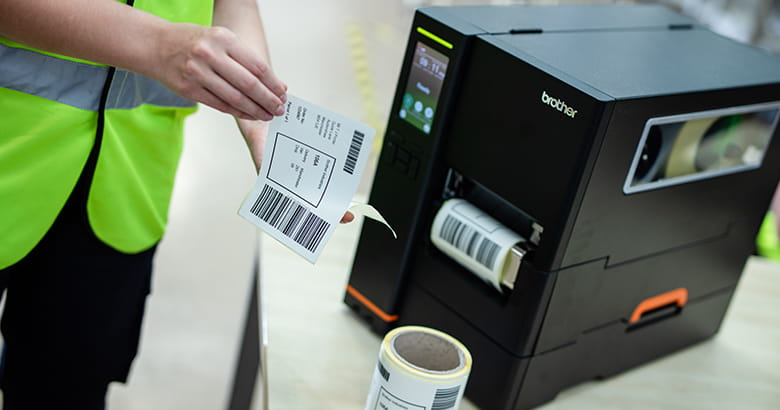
x=129, y=90
x=78, y=84
x=67, y=82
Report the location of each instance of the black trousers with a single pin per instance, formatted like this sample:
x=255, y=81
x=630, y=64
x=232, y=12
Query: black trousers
x=72, y=317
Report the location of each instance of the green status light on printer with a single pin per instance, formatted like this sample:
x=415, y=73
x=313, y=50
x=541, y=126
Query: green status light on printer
x=423, y=88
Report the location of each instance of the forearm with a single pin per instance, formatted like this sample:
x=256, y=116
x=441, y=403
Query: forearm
x=243, y=18
x=80, y=28
x=204, y=64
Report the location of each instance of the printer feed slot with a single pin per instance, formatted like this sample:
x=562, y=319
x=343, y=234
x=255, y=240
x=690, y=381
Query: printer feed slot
x=483, y=232
x=457, y=185
x=683, y=148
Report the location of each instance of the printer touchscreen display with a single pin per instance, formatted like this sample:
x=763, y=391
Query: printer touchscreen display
x=421, y=96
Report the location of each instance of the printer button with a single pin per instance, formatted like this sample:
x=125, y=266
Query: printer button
x=389, y=154
x=395, y=137
x=402, y=158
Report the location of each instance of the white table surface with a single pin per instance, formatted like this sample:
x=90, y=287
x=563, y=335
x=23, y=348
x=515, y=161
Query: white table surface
x=322, y=356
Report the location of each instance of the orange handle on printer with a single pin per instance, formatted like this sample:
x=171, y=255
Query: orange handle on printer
x=677, y=296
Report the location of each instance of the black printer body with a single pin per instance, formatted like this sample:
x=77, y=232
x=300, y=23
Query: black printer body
x=635, y=150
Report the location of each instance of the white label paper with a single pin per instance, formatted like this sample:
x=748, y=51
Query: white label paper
x=370, y=212
x=398, y=384
x=474, y=239
x=311, y=168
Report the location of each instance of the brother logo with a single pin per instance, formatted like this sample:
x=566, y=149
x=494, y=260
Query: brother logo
x=558, y=104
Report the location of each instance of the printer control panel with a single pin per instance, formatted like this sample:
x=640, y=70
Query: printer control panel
x=423, y=87
x=402, y=155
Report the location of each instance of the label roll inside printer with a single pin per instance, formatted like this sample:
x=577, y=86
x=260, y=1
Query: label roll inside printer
x=478, y=242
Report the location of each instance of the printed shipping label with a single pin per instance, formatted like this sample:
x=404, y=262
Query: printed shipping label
x=311, y=168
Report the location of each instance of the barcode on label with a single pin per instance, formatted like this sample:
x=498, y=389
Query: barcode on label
x=445, y=398
x=354, y=151
x=469, y=240
x=383, y=372
x=290, y=217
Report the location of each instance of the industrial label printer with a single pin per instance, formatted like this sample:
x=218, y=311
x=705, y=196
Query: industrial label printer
x=629, y=152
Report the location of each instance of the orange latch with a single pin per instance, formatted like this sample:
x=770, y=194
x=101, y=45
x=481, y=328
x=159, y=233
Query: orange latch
x=678, y=296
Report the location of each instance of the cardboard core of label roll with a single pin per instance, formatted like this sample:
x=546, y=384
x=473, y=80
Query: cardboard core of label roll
x=428, y=352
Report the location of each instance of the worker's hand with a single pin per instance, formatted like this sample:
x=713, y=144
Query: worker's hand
x=255, y=134
x=212, y=66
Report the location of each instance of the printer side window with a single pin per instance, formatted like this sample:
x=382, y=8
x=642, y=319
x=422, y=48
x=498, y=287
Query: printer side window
x=421, y=96
x=685, y=148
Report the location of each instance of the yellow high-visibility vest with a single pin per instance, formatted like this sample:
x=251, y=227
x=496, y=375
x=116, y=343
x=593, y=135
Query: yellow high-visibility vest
x=53, y=109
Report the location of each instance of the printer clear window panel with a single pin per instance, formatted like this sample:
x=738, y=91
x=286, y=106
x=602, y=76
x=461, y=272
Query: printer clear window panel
x=685, y=148
x=421, y=95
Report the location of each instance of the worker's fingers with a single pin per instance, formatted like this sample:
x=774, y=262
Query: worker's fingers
x=201, y=75
x=243, y=69
x=212, y=66
x=259, y=68
x=207, y=97
x=238, y=99
x=347, y=218
x=256, y=95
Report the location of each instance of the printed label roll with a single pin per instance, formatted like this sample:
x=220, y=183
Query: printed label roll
x=419, y=369
x=474, y=239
